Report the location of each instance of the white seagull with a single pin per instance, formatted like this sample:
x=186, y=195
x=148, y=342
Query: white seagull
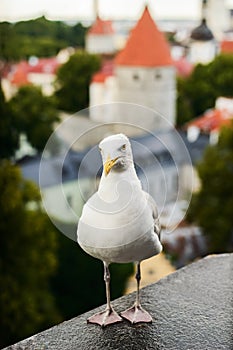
x=119, y=223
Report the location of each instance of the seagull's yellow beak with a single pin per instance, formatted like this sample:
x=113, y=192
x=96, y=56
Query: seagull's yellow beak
x=109, y=164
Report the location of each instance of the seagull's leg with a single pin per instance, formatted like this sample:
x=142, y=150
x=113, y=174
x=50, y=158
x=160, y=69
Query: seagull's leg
x=138, y=279
x=109, y=315
x=136, y=313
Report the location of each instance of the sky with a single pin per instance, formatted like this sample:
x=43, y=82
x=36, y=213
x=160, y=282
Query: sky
x=14, y=10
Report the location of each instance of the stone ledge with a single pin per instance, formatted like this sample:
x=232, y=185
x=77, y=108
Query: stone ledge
x=191, y=309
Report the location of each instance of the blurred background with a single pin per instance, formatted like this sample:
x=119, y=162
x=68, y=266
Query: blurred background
x=59, y=58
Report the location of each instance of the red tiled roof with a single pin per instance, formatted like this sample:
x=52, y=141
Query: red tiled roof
x=105, y=72
x=44, y=65
x=213, y=119
x=146, y=46
x=19, y=76
x=183, y=67
x=226, y=46
x=99, y=77
x=101, y=27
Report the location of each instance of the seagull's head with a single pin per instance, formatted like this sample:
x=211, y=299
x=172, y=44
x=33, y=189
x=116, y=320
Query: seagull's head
x=116, y=153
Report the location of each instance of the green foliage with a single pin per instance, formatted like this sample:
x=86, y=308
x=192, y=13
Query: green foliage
x=73, y=79
x=76, y=35
x=184, y=111
x=171, y=37
x=36, y=28
x=79, y=284
x=199, y=92
x=119, y=276
x=8, y=43
x=45, y=277
x=212, y=207
x=40, y=46
x=8, y=134
x=38, y=37
x=34, y=115
x=78, y=276
x=27, y=259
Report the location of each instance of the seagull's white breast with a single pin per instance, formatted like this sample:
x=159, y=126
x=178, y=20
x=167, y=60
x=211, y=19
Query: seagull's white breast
x=108, y=225
x=117, y=222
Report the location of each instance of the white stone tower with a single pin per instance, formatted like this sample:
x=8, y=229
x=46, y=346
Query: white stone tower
x=202, y=46
x=100, y=38
x=144, y=71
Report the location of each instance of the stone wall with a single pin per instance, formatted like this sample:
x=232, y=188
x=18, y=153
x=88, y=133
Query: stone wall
x=191, y=309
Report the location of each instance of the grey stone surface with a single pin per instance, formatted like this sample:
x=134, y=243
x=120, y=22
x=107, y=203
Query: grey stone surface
x=192, y=310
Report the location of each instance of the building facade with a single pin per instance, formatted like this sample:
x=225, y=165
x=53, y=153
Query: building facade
x=143, y=74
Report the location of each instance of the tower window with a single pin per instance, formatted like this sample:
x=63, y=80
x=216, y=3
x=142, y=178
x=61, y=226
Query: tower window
x=136, y=77
x=158, y=75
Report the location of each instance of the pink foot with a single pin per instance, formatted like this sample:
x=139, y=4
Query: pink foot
x=105, y=318
x=136, y=314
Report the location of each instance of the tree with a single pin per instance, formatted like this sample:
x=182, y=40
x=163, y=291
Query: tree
x=9, y=48
x=184, y=106
x=45, y=277
x=212, y=207
x=79, y=275
x=199, y=91
x=27, y=259
x=76, y=35
x=34, y=115
x=8, y=42
x=9, y=137
x=39, y=37
x=40, y=46
x=73, y=80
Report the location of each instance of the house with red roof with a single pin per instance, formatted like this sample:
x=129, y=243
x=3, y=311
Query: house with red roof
x=183, y=67
x=226, y=45
x=37, y=71
x=100, y=38
x=143, y=74
x=212, y=120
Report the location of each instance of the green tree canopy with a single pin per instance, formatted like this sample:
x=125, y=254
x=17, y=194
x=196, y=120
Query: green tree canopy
x=73, y=80
x=8, y=43
x=39, y=37
x=8, y=133
x=45, y=277
x=34, y=115
x=199, y=91
x=212, y=207
x=76, y=35
x=27, y=259
x=79, y=275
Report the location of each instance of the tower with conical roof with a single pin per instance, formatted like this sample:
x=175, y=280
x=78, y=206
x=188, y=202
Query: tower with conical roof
x=144, y=71
x=202, y=47
x=100, y=38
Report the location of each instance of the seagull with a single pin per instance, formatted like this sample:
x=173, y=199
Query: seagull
x=119, y=224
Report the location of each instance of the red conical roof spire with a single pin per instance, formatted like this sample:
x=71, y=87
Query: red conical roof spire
x=101, y=27
x=146, y=45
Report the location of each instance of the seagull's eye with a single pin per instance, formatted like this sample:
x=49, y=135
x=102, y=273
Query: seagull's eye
x=100, y=149
x=123, y=148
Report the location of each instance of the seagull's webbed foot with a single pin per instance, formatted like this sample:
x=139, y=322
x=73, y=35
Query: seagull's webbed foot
x=105, y=318
x=136, y=314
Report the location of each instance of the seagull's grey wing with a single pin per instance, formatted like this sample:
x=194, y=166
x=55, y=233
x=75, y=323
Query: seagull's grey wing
x=157, y=227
